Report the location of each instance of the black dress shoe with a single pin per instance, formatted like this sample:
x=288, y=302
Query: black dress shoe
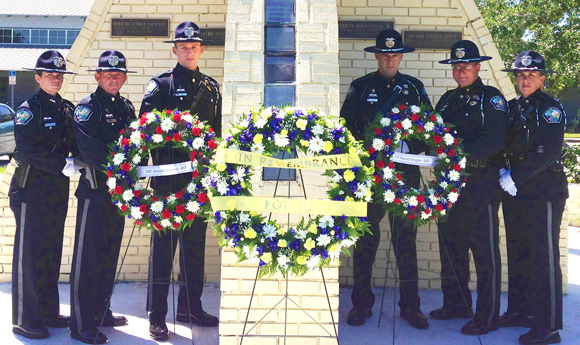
x=448, y=313
x=416, y=319
x=158, y=331
x=90, y=336
x=60, y=321
x=111, y=320
x=471, y=328
x=31, y=332
x=515, y=319
x=358, y=315
x=199, y=317
x=540, y=336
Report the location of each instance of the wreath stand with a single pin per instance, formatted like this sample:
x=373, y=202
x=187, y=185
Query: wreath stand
x=286, y=297
x=391, y=265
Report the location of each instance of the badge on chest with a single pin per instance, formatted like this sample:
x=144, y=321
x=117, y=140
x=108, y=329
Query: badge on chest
x=110, y=118
x=180, y=92
x=372, y=98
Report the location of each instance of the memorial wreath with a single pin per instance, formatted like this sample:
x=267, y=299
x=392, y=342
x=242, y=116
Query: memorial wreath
x=180, y=130
x=386, y=134
x=333, y=225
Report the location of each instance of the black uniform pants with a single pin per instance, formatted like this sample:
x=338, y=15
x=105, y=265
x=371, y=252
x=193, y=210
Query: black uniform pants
x=99, y=231
x=40, y=213
x=541, y=232
x=403, y=237
x=191, y=265
x=473, y=224
x=515, y=210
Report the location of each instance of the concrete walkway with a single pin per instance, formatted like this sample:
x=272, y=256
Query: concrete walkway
x=129, y=300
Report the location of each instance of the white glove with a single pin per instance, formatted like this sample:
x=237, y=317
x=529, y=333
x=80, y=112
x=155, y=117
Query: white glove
x=404, y=147
x=70, y=168
x=507, y=183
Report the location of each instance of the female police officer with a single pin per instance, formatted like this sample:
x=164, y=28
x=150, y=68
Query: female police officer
x=535, y=179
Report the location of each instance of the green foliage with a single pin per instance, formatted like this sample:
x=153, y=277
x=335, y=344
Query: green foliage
x=552, y=28
x=572, y=164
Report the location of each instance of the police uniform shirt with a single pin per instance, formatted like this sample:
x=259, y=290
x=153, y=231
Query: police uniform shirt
x=538, y=145
x=43, y=132
x=98, y=119
x=479, y=115
x=367, y=95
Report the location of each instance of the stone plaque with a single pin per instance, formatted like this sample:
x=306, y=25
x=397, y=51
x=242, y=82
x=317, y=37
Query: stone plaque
x=367, y=30
x=124, y=27
x=213, y=37
x=431, y=39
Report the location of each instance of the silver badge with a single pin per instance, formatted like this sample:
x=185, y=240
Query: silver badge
x=189, y=32
x=113, y=61
x=460, y=52
x=58, y=62
x=390, y=42
x=526, y=60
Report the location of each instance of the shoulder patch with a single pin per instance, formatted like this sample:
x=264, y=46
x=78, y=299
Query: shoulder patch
x=553, y=115
x=23, y=116
x=498, y=103
x=350, y=91
x=83, y=113
x=152, y=88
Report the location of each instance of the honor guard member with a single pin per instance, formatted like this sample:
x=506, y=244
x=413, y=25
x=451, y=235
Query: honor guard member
x=183, y=88
x=479, y=114
x=39, y=199
x=538, y=189
x=98, y=119
x=370, y=96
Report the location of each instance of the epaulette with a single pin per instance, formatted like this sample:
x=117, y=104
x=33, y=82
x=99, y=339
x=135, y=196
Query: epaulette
x=418, y=84
x=164, y=74
x=29, y=102
x=364, y=78
x=86, y=100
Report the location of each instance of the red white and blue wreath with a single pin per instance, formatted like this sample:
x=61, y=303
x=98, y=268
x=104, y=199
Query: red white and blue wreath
x=156, y=129
x=385, y=135
x=314, y=241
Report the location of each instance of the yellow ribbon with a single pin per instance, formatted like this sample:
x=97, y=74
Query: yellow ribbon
x=281, y=205
x=341, y=161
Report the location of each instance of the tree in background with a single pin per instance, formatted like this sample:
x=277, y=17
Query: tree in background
x=552, y=28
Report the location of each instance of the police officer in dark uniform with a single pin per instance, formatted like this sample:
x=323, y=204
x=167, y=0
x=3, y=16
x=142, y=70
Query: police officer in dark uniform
x=98, y=119
x=479, y=114
x=368, y=97
x=183, y=88
x=538, y=190
x=39, y=199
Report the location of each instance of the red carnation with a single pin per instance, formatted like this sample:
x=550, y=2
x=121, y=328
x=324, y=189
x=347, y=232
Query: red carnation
x=190, y=216
x=179, y=209
x=168, y=112
x=125, y=166
x=439, y=150
x=437, y=139
x=177, y=117
x=439, y=207
x=387, y=142
x=142, y=135
x=419, y=129
x=397, y=201
x=157, y=226
x=402, y=107
x=109, y=173
x=166, y=214
x=122, y=131
x=195, y=174
x=427, y=211
x=372, y=150
x=378, y=131
x=377, y=179
x=433, y=118
x=137, y=193
x=154, y=198
x=202, y=197
x=380, y=164
x=143, y=148
x=451, y=153
x=211, y=130
x=411, y=216
x=168, y=138
x=139, y=222
x=456, y=167
x=399, y=125
x=414, y=117
x=176, y=225
x=158, y=130
x=420, y=198
x=456, y=141
x=399, y=177
x=142, y=121
x=118, y=190
x=454, y=190
x=143, y=208
x=196, y=131
x=124, y=141
x=391, y=165
x=212, y=145
x=179, y=194
x=177, y=137
x=123, y=208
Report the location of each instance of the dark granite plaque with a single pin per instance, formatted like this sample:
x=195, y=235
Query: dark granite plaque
x=213, y=37
x=362, y=29
x=431, y=39
x=123, y=27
